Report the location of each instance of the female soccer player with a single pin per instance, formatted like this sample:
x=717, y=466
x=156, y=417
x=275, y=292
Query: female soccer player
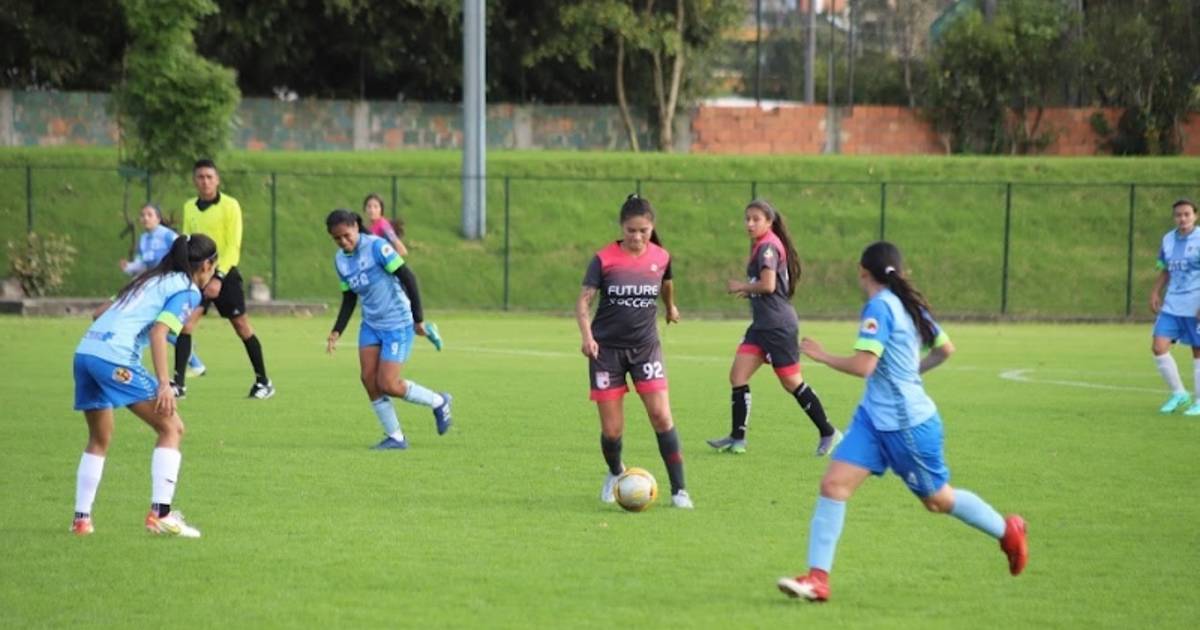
x=622, y=338
x=772, y=273
x=1179, y=273
x=896, y=425
x=153, y=244
x=368, y=266
x=381, y=227
x=109, y=373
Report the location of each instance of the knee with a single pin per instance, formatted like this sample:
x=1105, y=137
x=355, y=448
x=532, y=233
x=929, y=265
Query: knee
x=396, y=388
x=661, y=421
x=98, y=444
x=833, y=488
x=940, y=503
x=172, y=428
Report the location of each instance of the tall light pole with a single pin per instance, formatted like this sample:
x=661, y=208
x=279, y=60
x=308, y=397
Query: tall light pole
x=474, y=166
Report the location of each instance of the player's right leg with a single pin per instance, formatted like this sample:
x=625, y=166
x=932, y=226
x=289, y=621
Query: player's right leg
x=612, y=428
x=91, y=467
x=395, y=348
x=746, y=361
x=381, y=404
x=162, y=518
x=1167, y=328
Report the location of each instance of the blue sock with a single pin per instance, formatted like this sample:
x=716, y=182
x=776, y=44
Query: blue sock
x=195, y=361
x=976, y=512
x=826, y=528
x=387, y=417
x=421, y=395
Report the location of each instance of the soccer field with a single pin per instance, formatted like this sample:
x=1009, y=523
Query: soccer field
x=497, y=523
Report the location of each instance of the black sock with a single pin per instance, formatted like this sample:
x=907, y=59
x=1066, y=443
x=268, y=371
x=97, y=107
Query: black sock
x=668, y=447
x=812, y=406
x=741, y=412
x=183, y=352
x=82, y=515
x=162, y=509
x=254, y=351
x=612, y=454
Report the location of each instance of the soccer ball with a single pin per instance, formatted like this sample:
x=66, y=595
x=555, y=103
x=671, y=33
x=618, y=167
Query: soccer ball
x=636, y=489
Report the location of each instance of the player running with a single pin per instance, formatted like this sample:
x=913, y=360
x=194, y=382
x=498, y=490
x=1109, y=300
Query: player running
x=628, y=275
x=109, y=373
x=368, y=266
x=896, y=425
x=772, y=273
x=1179, y=272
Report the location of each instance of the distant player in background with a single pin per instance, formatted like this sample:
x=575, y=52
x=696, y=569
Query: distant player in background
x=896, y=425
x=772, y=273
x=153, y=244
x=1179, y=273
x=628, y=275
x=220, y=216
x=381, y=227
x=368, y=266
x=109, y=373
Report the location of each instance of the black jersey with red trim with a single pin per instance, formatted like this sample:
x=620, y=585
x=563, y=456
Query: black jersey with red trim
x=770, y=310
x=628, y=287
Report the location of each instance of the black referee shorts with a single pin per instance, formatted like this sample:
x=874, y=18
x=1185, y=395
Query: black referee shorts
x=231, y=301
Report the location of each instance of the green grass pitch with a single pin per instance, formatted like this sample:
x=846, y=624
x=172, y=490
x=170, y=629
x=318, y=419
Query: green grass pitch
x=497, y=524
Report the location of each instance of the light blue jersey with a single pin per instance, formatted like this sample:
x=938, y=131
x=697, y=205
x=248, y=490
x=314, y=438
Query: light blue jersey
x=123, y=331
x=152, y=246
x=895, y=398
x=1180, y=257
x=369, y=271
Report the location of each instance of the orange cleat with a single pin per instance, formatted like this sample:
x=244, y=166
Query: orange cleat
x=813, y=587
x=82, y=526
x=1014, y=545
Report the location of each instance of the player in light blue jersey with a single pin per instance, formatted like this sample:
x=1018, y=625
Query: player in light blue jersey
x=153, y=244
x=109, y=374
x=896, y=424
x=370, y=268
x=1179, y=273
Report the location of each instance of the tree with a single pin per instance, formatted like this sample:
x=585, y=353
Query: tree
x=60, y=44
x=177, y=105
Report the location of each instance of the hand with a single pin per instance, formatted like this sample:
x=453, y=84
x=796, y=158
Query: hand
x=331, y=342
x=123, y=263
x=813, y=349
x=164, y=399
x=1155, y=302
x=419, y=327
x=213, y=288
x=590, y=348
x=672, y=314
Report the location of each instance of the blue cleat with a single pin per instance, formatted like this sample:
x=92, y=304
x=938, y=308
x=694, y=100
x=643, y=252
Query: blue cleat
x=431, y=333
x=195, y=366
x=442, y=414
x=390, y=443
x=1193, y=411
x=1176, y=401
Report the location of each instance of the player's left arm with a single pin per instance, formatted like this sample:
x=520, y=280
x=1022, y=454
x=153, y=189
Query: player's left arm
x=170, y=320
x=862, y=363
x=939, y=351
x=668, y=296
x=233, y=234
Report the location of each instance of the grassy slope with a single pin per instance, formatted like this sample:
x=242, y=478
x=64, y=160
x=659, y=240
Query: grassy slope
x=497, y=525
x=1068, y=253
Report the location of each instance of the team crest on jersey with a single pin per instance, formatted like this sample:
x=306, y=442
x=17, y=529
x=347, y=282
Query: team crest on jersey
x=769, y=253
x=602, y=380
x=363, y=263
x=387, y=250
x=654, y=267
x=122, y=375
x=870, y=326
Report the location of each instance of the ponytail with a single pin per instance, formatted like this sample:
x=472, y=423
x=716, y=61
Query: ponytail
x=637, y=206
x=186, y=255
x=883, y=261
x=779, y=228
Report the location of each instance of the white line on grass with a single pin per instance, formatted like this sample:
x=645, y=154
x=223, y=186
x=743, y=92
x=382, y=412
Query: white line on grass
x=1022, y=376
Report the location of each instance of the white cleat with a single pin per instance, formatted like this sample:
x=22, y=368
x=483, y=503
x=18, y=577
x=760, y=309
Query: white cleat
x=172, y=524
x=827, y=444
x=682, y=500
x=607, y=492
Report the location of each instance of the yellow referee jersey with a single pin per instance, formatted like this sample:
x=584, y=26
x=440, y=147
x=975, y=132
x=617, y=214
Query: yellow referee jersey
x=222, y=222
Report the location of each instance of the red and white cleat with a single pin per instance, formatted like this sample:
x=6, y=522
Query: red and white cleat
x=1014, y=545
x=813, y=587
x=82, y=526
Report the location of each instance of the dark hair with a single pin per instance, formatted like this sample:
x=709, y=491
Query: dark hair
x=1183, y=201
x=397, y=223
x=342, y=216
x=883, y=261
x=781, y=231
x=204, y=163
x=187, y=253
x=637, y=206
x=158, y=211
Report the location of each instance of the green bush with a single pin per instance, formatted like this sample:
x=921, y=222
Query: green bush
x=41, y=262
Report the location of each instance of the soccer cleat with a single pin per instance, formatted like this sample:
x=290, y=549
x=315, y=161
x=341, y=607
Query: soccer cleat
x=1014, y=544
x=607, y=493
x=682, y=500
x=82, y=526
x=172, y=524
x=1177, y=400
x=431, y=333
x=262, y=391
x=728, y=445
x=812, y=587
x=828, y=443
x=1193, y=410
x=391, y=444
x=441, y=414
x=180, y=390
x=196, y=367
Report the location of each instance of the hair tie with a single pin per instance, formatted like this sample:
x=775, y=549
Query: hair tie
x=889, y=270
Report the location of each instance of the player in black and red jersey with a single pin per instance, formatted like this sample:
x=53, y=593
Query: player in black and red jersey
x=629, y=275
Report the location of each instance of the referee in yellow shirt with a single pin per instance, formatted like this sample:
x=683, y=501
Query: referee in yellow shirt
x=220, y=217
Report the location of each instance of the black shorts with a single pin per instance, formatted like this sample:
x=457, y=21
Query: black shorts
x=231, y=301
x=607, y=372
x=778, y=346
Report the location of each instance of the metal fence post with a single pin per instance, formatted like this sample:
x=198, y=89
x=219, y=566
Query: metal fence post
x=149, y=188
x=274, y=244
x=395, y=195
x=1007, y=231
x=638, y=186
x=882, y=209
x=506, y=242
x=753, y=189
x=1129, y=260
x=28, y=198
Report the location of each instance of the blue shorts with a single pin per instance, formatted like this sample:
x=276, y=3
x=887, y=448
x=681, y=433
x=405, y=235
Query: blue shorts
x=1177, y=328
x=394, y=345
x=100, y=384
x=914, y=453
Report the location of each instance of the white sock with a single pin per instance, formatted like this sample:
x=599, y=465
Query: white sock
x=87, y=481
x=164, y=471
x=420, y=395
x=1170, y=372
x=386, y=412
